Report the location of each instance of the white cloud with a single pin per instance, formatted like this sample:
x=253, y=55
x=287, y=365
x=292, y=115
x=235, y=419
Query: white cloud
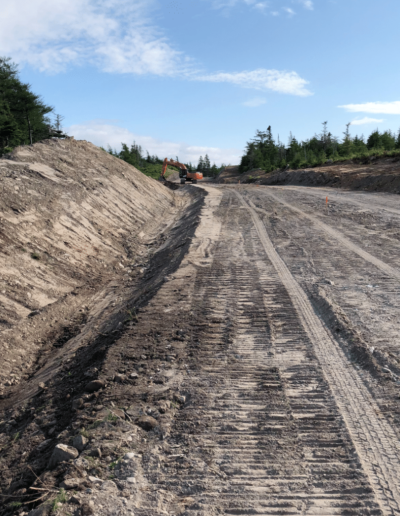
x=261, y=79
x=275, y=13
x=385, y=108
x=366, y=120
x=307, y=4
x=289, y=11
x=226, y=4
x=256, y=102
x=114, y=35
x=104, y=133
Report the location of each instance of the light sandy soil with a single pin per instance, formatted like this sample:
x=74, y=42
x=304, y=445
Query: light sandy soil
x=257, y=371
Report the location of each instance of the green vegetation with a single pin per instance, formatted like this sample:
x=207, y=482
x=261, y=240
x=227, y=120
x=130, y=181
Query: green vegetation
x=23, y=114
x=264, y=153
x=35, y=256
x=15, y=505
x=152, y=165
x=60, y=498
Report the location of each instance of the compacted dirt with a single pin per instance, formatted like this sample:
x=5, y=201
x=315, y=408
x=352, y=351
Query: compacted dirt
x=251, y=365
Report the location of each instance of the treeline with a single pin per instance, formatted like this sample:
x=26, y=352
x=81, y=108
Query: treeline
x=24, y=117
x=263, y=152
x=152, y=165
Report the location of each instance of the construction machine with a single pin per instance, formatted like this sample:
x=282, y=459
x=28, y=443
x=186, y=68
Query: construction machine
x=184, y=174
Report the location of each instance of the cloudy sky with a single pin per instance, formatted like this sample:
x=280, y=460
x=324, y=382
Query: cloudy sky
x=189, y=77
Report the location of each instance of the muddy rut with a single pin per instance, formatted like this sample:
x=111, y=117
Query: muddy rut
x=267, y=362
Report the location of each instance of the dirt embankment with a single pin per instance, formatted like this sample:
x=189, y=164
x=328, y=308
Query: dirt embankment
x=72, y=218
x=381, y=174
x=93, y=252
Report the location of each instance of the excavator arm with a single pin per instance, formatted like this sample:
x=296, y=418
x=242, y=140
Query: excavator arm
x=184, y=174
x=174, y=164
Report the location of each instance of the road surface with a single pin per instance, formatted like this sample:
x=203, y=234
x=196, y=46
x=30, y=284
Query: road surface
x=292, y=381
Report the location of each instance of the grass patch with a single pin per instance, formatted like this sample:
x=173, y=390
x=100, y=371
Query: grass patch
x=60, y=498
x=16, y=437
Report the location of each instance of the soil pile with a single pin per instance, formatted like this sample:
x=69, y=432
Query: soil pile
x=71, y=218
x=380, y=174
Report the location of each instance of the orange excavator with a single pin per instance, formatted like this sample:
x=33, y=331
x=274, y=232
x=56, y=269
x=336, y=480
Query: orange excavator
x=184, y=174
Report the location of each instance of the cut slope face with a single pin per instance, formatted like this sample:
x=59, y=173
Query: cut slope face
x=381, y=174
x=71, y=215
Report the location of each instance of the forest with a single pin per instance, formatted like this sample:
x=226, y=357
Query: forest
x=263, y=152
x=24, y=117
x=152, y=165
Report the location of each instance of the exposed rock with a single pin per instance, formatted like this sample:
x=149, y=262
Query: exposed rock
x=147, y=422
x=120, y=378
x=80, y=442
x=62, y=453
x=95, y=385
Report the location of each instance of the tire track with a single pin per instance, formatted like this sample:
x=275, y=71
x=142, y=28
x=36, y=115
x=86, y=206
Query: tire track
x=373, y=438
x=261, y=432
x=384, y=267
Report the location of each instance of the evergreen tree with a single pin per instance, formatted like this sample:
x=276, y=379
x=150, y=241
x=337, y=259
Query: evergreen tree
x=374, y=140
x=23, y=114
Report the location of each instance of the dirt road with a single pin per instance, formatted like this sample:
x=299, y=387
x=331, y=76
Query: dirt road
x=267, y=361
x=290, y=411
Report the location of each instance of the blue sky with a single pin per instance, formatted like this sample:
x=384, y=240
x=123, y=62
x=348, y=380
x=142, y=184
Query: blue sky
x=189, y=77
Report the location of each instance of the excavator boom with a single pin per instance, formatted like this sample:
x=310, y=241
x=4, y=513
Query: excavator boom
x=184, y=174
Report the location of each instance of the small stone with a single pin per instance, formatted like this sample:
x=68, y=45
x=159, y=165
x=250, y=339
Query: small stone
x=80, y=442
x=96, y=452
x=147, y=422
x=81, y=463
x=43, y=445
x=41, y=385
x=109, y=485
x=75, y=500
x=70, y=483
x=133, y=376
x=87, y=508
x=179, y=398
x=62, y=453
x=97, y=408
x=95, y=480
x=129, y=456
x=95, y=385
x=77, y=404
x=120, y=378
x=131, y=480
x=143, y=357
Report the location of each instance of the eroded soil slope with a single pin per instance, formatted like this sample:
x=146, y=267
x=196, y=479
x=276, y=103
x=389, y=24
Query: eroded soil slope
x=72, y=218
